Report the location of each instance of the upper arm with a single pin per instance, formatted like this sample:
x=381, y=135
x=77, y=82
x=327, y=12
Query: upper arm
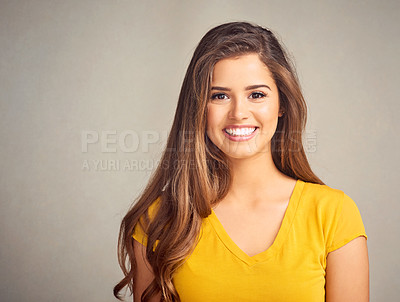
x=347, y=273
x=144, y=274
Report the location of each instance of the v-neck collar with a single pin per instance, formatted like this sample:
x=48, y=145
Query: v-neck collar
x=279, y=239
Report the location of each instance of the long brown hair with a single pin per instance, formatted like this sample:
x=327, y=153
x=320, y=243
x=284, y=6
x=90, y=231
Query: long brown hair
x=193, y=173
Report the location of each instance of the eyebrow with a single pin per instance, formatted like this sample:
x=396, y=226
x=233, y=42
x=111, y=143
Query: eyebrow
x=247, y=88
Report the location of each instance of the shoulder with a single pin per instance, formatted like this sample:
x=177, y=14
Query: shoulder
x=153, y=208
x=333, y=212
x=322, y=196
x=148, y=216
x=321, y=191
x=325, y=203
x=141, y=227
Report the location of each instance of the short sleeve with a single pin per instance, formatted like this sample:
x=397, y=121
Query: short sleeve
x=139, y=233
x=349, y=225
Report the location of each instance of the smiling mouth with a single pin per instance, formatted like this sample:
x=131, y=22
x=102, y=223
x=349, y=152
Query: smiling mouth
x=240, y=132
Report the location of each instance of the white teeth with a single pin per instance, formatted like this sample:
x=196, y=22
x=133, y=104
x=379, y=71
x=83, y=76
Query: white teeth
x=240, y=131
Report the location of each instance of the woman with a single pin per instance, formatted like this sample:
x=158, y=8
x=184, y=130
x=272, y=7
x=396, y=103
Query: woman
x=233, y=211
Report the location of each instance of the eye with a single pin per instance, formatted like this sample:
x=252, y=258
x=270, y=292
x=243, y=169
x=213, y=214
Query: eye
x=257, y=95
x=219, y=96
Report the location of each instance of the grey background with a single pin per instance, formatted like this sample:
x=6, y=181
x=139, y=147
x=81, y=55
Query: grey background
x=73, y=66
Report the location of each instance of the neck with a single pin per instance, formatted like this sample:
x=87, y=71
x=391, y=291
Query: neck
x=255, y=178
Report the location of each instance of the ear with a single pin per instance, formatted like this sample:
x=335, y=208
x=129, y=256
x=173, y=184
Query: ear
x=281, y=111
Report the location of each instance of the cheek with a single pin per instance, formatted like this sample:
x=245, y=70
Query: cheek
x=268, y=117
x=213, y=118
x=269, y=112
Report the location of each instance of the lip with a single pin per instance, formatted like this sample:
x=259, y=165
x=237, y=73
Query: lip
x=240, y=138
x=240, y=126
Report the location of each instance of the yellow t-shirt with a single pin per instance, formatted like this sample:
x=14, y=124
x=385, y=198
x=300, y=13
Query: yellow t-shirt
x=318, y=220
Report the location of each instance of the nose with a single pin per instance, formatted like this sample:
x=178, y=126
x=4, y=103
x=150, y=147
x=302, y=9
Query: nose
x=238, y=110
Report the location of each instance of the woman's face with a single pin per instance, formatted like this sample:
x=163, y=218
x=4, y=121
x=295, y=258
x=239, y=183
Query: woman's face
x=243, y=110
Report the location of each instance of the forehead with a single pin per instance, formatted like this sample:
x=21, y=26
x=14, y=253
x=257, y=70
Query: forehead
x=241, y=68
